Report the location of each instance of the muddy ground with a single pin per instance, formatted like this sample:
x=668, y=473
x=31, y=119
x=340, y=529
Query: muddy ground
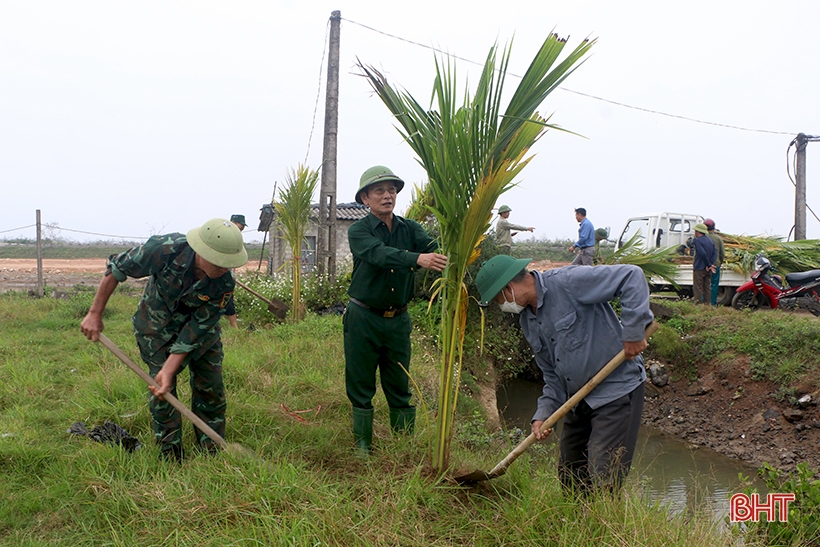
x=730, y=413
x=724, y=410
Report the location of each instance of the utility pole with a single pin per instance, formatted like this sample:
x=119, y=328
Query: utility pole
x=800, y=206
x=40, y=289
x=800, y=187
x=326, y=238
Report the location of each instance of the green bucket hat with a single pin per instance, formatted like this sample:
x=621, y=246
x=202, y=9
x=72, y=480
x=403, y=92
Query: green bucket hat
x=504, y=209
x=377, y=173
x=240, y=219
x=495, y=274
x=219, y=242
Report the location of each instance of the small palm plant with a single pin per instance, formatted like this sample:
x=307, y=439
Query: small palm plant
x=293, y=209
x=472, y=152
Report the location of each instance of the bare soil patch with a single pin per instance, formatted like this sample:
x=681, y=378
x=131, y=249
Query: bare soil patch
x=20, y=274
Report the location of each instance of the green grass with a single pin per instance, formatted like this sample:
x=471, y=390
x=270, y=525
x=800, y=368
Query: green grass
x=782, y=347
x=304, y=486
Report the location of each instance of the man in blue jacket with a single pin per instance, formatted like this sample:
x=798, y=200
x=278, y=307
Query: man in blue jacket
x=566, y=318
x=703, y=266
x=586, y=239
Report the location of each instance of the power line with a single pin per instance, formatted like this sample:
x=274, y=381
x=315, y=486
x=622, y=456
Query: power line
x=624, y=105
x=96, y=234
x=318, y=91
x=21, y=228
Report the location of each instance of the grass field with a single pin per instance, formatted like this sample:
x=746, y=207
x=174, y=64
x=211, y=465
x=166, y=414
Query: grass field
x=303, y=486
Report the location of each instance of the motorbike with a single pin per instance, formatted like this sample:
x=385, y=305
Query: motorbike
x=801, y=290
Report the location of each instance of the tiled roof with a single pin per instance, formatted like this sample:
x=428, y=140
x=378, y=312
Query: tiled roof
x=346, y=211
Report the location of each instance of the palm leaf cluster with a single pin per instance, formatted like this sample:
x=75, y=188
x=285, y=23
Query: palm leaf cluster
x=293, y=211
x=471, y=151
x=786, y=256
x=656, y=262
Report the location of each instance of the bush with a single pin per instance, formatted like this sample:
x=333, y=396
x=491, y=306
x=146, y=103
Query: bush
x=318, y=293
x=803, y=526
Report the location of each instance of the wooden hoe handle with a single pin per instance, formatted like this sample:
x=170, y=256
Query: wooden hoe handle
x=614, y=363
x=184, y=410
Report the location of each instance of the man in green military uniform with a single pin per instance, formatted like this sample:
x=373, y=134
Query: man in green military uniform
x=177, y=321
x=387, y=250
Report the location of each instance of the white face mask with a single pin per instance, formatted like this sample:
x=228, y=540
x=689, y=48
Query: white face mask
x=511, y=307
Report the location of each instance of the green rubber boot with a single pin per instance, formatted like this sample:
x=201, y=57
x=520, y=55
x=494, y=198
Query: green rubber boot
x=403, y=420
x=363, y=429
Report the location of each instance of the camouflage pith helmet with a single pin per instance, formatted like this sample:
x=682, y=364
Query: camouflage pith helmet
x=504, y=209
x=377, y=173
x=219, y=242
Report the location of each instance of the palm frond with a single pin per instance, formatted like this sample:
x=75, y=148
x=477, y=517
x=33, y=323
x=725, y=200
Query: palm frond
x=471, y=152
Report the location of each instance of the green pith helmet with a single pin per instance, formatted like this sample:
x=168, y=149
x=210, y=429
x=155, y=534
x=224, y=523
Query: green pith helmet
x=495, y=274
x=504, y=209
x=600, y=233
x=219, y=242
x=701, y=227
x=377, y=173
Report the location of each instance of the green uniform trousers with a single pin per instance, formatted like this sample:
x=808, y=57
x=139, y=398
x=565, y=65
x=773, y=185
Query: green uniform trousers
x=208, y=399
x=374, y=342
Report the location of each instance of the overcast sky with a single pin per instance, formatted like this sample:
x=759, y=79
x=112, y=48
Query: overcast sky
x=136, y=118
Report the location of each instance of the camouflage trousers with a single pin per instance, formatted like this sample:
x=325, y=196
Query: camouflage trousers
x=207, y=400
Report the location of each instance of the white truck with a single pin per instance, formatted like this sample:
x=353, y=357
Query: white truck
x=664, y=230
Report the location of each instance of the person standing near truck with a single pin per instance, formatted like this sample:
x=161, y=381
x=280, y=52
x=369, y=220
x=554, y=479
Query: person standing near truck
x=586, y=239
x=703, y=266
x=503, y=230
x=721, y=256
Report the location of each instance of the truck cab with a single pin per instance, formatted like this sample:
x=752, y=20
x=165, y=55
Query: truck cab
x=664, y=230
x=659, y=230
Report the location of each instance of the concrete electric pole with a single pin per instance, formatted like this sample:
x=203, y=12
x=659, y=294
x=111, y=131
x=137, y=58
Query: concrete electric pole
x=326, y=238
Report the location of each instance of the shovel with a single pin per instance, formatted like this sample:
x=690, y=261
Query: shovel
x=501, y=468
x=275, y=306
x=197, y=421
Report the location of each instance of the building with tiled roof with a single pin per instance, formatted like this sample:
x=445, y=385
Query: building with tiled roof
x=279, y=254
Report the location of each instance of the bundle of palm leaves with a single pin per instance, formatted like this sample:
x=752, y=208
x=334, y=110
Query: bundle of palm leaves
x=785, y=256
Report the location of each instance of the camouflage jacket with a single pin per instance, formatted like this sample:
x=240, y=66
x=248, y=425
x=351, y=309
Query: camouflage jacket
x=176, y=308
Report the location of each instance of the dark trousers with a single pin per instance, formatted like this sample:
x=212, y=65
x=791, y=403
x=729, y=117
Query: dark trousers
x=208, y=400
x=702, y=286
x=597, y=446
x=715, y=285
x=373, y=342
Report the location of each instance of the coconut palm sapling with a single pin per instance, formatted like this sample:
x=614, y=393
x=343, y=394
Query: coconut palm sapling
x=293, y=209
x=472, y=153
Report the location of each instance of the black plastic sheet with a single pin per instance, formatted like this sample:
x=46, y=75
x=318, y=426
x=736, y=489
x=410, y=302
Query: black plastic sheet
x=108, y=433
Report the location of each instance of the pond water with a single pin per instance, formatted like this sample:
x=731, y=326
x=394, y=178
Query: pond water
x=673, y=474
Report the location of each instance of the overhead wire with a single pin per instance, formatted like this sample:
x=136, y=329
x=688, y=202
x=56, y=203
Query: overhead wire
x=318, y=90
x=595, y=97
x=16, y=229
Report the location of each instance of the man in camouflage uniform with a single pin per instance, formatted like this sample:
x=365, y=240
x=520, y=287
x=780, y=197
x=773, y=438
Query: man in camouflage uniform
x=387, y=250
x=177, y=321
